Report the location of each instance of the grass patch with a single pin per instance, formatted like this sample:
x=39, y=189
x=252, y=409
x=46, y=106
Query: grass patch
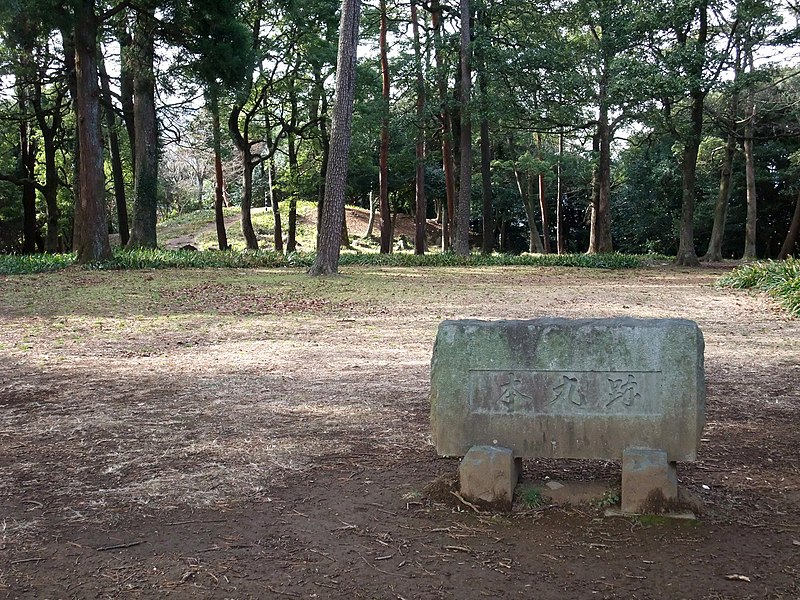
x=531, y=497
x=779, y=279
x=206, y=259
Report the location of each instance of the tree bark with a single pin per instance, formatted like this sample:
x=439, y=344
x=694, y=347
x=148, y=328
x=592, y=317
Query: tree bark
x=421, y=204
x=792, y=235
x=383, y=158
x=487, y=216
x=116, y=158
x=126, y=84
x=327, y=260
x=687, y=256
x=242, y=141
x=750, y=178
x=600, y=235
x=93, y=243
x=145, y=187
x=714, y=252
x=561, y=246
x=274, y=194
x=462, y=215
x=219, y=180
x=447, y=152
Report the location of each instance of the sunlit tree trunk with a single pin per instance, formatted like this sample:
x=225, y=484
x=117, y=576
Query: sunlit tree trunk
x=116, y=158
x=462, y=213
x=792, y=235
x=327, y=260
x=750, y=176
x=145, y=202
x=419, y=178
x=93, y=224
x=447, y=152
x=383, y=158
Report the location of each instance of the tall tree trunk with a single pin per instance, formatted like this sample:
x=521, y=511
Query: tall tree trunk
x=687, y=256
x=126, y=83
x=27, y=171
x=68, y=43
x=750, y=176
x=383, y=158
x=219, y=181
x=327, y=260
x=274, y=193
x=714, y=252
x=325, y=144
x=792, y=235
x=487, y=242
x=487, y=216
x=145, y=187
x=93, y=243
x=444, y=115
x=116, y=158
x=291, y=144
x=462, y=215
x=561, y=245
x=543, y=201
x=600, y=235
x=420, y=212
x=242, y=142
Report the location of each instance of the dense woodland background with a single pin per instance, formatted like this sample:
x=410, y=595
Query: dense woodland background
x=668, y=126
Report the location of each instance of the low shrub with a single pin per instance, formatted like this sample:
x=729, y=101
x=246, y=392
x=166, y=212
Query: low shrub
x=779, y=279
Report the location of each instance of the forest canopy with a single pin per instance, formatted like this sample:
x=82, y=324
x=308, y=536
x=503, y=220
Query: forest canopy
x=515, y=126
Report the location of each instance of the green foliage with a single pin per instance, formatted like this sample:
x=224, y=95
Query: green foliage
x=13, y=264
x=209, y=259
x=780, y=279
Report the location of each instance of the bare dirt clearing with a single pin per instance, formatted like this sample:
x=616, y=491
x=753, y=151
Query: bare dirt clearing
x=261, y=434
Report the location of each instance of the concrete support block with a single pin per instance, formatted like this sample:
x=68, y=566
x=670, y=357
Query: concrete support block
x=649, y=481
x=489, y=474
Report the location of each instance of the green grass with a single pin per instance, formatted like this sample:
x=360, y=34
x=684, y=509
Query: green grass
x=182, y=259
x=779, y=279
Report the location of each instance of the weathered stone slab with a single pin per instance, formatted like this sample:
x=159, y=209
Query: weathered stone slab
x=649, y=481
x=489, y=474
x=562, y=388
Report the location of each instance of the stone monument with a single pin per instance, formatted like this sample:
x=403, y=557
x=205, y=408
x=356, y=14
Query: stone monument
x=630, y=389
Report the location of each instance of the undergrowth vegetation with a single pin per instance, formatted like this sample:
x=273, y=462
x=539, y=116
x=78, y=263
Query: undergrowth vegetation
x=185, y=259
x=780, y=279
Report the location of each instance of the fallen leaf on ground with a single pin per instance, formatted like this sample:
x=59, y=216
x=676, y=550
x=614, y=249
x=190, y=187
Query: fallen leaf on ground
x=737, y=577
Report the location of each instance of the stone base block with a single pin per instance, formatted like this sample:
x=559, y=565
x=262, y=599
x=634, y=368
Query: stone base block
x=489, y=474
x=649, y=481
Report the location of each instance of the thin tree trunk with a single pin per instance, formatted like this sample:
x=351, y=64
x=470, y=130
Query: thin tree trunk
x=462, y=215
x=447, y=152
x=421, y=204
x=27, y=170
x=327, y=260
x=93, y=242
x=792, y=235
x=219, y=187
x=487, y=216
x=274, y=194
x=126, y=83
x=116, y=159
x=383, y=157
x=750, y=177
x=145, y=202
x=372, y=211
x=714, y=252
x=543, y=202
x=68, y=43
x=561, y=246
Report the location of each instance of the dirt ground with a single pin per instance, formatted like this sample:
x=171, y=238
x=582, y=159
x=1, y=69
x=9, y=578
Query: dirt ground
x=261, y=434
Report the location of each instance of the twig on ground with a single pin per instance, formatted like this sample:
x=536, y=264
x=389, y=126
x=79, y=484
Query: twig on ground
x=26, y=560
x=119, y=546
x=461, y=498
